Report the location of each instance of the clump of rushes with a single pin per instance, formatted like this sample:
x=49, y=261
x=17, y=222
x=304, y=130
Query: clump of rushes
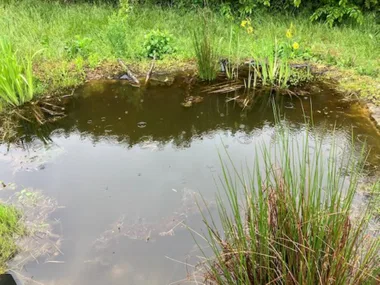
x=289, y=220
x=10, y=227
x=205, y=51
x=16, y=77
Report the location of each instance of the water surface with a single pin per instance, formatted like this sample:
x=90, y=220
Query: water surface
x=127, y=163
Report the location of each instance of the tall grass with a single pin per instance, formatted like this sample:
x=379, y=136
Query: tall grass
x=16, y=77
x=205, y=49
x=289, y=219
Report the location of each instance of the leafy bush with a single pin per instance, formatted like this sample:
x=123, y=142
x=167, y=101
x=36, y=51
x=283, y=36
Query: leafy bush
x=336, y=13
x=78, y=47
x=157, y=44
x=331, y=11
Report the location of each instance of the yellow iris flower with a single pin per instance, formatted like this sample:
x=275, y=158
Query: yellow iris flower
x=243, y=23
x=296, y=45
x=289, y=34
x=249, y=30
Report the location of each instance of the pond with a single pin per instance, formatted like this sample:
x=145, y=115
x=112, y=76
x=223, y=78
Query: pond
x=126, y=165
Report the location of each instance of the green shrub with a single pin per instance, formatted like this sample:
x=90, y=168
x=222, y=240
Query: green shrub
x=16, y=77
x=333, y=13
x=78, y=47
x=157, y=44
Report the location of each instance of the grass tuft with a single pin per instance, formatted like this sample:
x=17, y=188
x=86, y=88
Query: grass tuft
x=289, y=219
x=205, y=49
x=10, y=227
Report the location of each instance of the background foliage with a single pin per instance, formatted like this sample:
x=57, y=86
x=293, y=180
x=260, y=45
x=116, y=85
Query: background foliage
x=329, y=11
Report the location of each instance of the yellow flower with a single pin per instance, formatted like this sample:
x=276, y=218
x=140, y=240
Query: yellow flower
x=249, y=30
x=244, y=23
x=289, y=34
x=296, y=45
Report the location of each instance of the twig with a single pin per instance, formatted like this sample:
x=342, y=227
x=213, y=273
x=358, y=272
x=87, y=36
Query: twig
x=55, y=261
x=185, y=263
x=129, y=72
x=149, y=74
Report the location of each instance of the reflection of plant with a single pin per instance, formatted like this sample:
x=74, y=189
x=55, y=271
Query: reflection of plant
x=78, y=47
x=157, y=44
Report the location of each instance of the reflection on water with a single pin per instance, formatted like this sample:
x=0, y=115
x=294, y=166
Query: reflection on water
x=126, y=163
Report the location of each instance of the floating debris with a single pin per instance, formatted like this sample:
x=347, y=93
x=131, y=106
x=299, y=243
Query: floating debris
x=187, y=104
x=142, y=230
x=190, y=100
x=223, y=88
x=41, y=242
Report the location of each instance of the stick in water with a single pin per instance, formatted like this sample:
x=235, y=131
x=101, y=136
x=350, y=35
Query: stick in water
x=129, y=72
x=149, y=74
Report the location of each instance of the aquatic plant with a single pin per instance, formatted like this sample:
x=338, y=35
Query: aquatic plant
x=273, y=70
x=16, y=77
x=289, y=219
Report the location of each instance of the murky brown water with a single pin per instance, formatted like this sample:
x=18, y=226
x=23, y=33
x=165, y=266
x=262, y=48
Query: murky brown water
x=127, y=163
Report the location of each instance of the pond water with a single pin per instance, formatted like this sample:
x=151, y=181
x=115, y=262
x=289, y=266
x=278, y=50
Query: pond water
x=125, y=164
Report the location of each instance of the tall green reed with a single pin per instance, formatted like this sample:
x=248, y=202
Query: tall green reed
x=289, y=219
x=16, y=76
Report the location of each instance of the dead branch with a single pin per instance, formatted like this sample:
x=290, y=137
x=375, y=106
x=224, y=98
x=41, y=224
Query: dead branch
x=149, y=74
x=129, y=72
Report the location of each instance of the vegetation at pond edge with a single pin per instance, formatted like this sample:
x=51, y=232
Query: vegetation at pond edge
x=77, y=38
x=292, y=221
x=10, y=228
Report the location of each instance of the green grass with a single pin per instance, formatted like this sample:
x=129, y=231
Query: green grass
x=288, y=219
x=10, y=227
x=95, y=35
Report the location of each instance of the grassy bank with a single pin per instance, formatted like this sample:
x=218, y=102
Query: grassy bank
x=10, y=227
x=76, y=39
